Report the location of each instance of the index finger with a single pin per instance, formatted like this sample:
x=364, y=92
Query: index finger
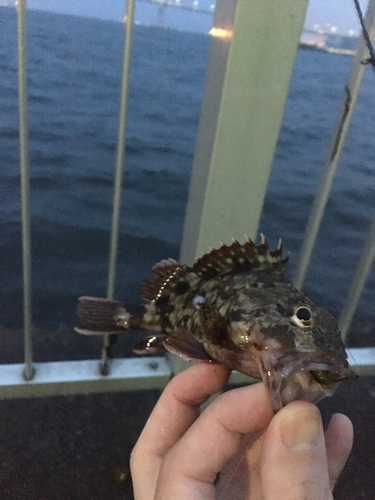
x=176, y=410
x=191, y=466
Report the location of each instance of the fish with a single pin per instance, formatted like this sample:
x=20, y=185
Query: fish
x=234, y=306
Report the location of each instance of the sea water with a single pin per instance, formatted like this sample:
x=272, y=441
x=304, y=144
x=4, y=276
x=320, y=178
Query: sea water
x=74, y=73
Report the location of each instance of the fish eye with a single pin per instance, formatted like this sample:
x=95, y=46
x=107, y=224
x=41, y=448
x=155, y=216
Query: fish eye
x=302, y=317
x=198, y=301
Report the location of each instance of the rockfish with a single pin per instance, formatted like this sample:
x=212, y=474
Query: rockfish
x=234, y=306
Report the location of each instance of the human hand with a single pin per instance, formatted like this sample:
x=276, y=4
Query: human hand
x=260, y=456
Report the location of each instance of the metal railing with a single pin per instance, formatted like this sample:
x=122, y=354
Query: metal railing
x=234, y=18
x=26, y=238
x=334, y=152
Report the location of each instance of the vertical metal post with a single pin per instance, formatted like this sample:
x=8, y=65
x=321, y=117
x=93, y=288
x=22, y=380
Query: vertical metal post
x=252, y=55
x=358, y=283
x=26, y=239
x=128, y=25
x=347, y=107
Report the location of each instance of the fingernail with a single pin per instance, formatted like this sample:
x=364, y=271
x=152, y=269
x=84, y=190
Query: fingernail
x=300, y=427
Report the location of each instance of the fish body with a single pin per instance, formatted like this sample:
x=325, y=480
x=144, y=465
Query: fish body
x=234, y=306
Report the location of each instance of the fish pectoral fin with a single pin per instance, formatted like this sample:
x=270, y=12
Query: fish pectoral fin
x=184, y=344
x=215, y=328
x=97, y=316
x=150, y=345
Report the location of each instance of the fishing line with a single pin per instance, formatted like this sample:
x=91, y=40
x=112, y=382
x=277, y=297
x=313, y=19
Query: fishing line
x=246, y=443
x=228, y=482
x=366, y=36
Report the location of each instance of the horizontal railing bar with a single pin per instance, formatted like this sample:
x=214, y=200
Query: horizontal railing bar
x=58, y=378
x=362, y=360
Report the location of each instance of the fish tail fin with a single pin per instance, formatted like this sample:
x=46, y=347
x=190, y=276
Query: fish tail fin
x=97, y=316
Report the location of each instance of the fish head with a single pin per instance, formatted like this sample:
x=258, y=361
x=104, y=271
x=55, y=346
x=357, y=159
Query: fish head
x=283, y=338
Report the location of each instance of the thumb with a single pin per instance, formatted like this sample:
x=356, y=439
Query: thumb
x=294, y=461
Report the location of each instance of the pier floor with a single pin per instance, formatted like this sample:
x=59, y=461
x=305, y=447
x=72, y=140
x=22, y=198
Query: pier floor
x=77, y=447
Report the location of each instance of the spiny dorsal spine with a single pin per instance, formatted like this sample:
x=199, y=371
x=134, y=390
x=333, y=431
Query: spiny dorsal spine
x=236, y=257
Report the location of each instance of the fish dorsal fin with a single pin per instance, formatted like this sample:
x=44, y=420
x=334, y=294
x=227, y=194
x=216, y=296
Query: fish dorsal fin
x=237, y=257
x=166, y=273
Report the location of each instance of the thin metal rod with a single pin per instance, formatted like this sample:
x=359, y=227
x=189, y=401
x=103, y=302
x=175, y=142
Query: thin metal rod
x=121, y=143
x=120, y=146
x=350, y=99
x=358, y=283
x=26, y=238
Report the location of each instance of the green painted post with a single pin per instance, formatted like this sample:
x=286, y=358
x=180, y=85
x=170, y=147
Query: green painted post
x=247, y=83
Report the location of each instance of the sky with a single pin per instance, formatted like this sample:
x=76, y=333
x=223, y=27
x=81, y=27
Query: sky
x=339, y=13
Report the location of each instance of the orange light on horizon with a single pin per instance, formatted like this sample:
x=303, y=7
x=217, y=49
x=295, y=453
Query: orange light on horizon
x=221, y=33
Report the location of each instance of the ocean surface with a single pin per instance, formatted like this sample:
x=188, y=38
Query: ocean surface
x=74, y=72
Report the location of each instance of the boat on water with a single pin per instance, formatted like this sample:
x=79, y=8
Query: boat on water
x=318, y=45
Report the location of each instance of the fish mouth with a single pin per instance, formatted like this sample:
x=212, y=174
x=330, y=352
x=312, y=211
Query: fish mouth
x=303, y=376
